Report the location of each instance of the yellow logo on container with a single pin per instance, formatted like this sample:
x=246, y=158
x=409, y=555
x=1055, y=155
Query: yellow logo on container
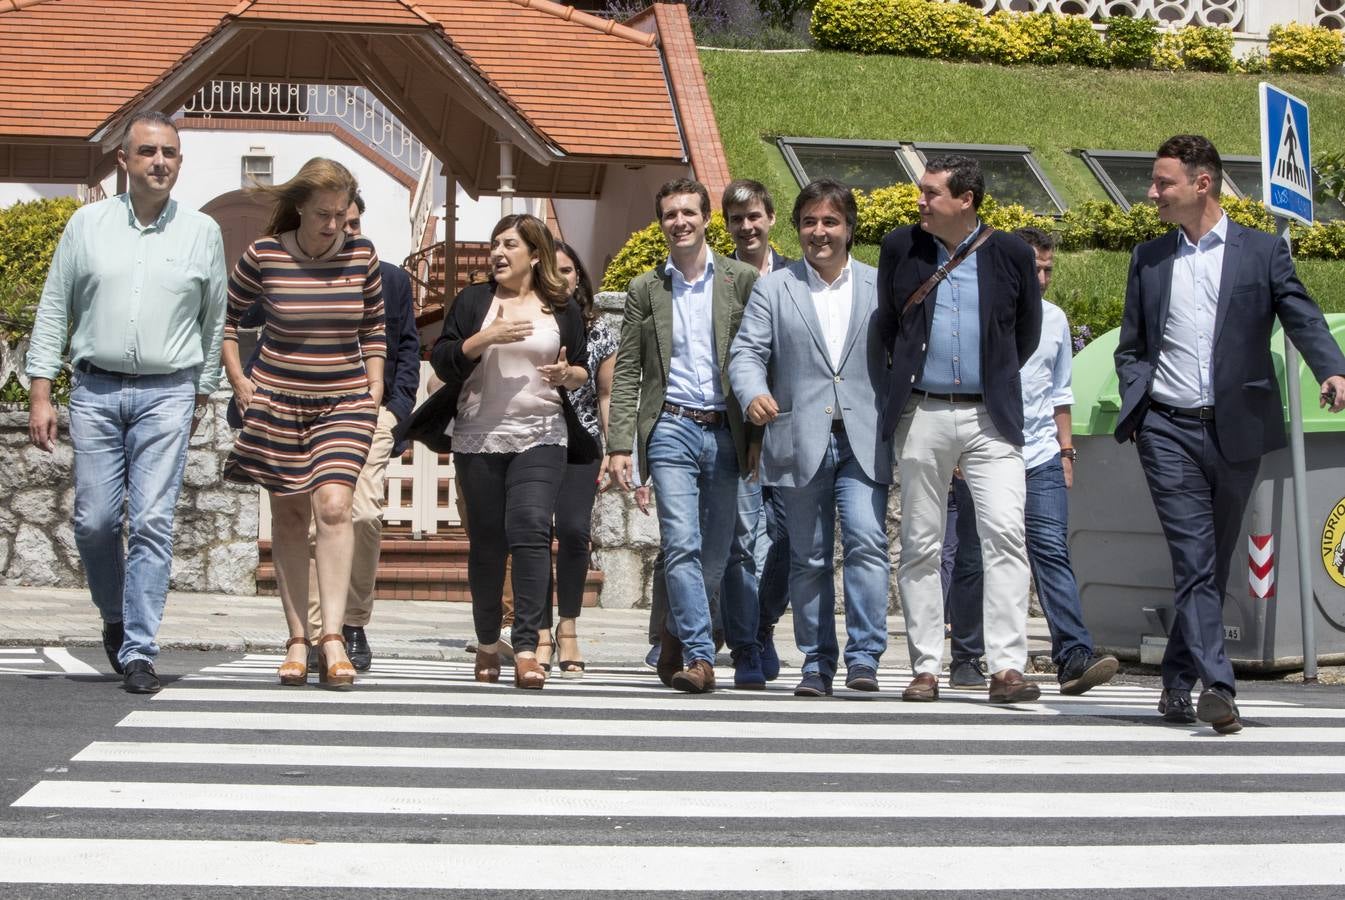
x=1333, y=544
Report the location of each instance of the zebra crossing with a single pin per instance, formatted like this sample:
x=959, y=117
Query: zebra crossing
x=421, y=778
x=42, y=661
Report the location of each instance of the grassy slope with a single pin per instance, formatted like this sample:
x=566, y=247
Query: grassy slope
x=758, y=96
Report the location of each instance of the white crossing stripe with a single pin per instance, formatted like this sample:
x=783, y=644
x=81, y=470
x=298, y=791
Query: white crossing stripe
x=13, y=651
x=63, y=658
x=646, y=870
x=360, y=800
x=643, y=728
x=310, y=755
x=863, y=704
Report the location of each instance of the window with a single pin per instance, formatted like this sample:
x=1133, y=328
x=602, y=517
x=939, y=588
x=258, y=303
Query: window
x=1011, y=173
x=1125, y=176
x=258, y=170
x=866, y=165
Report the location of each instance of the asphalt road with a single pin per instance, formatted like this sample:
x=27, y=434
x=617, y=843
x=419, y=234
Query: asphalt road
x=227, y=785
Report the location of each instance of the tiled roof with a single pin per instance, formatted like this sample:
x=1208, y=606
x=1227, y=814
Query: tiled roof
x=587, y=85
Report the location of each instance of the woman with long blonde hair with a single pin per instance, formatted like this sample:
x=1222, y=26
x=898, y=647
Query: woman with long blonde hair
x=310, y=403
x=511, y=352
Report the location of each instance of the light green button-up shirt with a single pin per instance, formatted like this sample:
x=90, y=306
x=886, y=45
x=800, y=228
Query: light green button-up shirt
x=143, y=300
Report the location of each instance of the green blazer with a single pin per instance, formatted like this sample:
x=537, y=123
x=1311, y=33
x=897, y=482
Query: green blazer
x=645, y=355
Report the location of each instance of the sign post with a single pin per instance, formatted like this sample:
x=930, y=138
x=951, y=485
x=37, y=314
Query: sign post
x=1286, y=184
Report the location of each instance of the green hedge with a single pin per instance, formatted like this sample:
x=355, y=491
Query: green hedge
x=955, y=31
x=28, y=236
x=648, y=247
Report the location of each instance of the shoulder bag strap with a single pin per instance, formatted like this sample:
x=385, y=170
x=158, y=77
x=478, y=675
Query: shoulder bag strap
x=944, y=270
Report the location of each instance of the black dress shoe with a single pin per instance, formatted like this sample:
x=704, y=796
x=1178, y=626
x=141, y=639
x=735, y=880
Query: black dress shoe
x=114, y=635
x=1216, y=706
x=140, y=678
x=1175, y=706
x=357, y=647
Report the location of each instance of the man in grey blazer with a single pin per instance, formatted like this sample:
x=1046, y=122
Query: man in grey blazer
x=809, y=363
x=1200, y=399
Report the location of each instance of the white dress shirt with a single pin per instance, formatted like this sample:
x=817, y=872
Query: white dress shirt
x=833, y=302
x=1183, y=375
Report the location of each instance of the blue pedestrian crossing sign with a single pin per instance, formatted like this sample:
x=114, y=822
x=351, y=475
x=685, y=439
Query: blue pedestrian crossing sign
x=1286, y=161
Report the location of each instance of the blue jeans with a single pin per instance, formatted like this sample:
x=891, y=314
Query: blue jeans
x=1046, y=514
x=738, y=605
x=694, y=470
x=810, y=513
x=773, y=571
x=130, y=439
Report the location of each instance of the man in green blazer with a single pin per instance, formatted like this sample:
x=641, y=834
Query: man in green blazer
x=671, y=391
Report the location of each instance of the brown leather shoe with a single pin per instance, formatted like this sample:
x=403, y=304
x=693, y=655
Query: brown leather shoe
x=924, y=688
x=697, y=678
x=1010, y=686
x=669, y=656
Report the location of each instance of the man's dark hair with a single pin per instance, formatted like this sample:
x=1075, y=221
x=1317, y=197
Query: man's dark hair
x=681, y=186
x=744, y=191
x=964, y=174
x=148, y=117
x=1042, y=241
x=831, y=191
x=1196, y=154
x=359, y=202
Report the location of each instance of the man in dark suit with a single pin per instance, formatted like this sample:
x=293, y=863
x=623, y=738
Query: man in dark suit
x=959, y=309
x=1201, y=401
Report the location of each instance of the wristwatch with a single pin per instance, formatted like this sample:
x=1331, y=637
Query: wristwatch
x=1069, y=453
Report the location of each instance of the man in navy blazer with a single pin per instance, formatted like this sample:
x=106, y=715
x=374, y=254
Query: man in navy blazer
x=809, y=364
x=956, y=400
x=1200, y=399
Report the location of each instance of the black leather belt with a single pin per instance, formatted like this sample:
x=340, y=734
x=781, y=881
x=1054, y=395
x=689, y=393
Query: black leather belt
x=1203, y=413
x=953, y=398
x=837, y=426
x=709, y=417
x=89, y=368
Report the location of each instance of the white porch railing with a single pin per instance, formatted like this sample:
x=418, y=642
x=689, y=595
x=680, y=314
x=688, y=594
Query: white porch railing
x=358, y=110
x=420, y=493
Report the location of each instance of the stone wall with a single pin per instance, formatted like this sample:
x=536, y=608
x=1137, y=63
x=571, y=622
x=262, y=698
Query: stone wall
x=215, y=544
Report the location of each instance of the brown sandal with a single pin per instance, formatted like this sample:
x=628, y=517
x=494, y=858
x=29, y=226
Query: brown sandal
x=528, y=673
x=340, y=674
x=294, y=674
x=487, y=666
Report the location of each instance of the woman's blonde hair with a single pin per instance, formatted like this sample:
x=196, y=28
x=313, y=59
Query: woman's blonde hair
x=546, y=277
x=318, y=174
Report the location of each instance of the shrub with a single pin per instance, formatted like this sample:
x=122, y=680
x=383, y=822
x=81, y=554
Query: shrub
x=18, y=307
x=1168, y=53
x=1207, y=49
x=1131, y=42
x=646, y=248
x=28, y=236
x=1248, y=213
x=1304, y=48
x=1007, y=217
x=884, y=209
x=1323, y=240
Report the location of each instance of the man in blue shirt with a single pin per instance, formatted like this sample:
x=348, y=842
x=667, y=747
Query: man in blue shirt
x=1049, y=456
x=139, y=285
x=671, y=390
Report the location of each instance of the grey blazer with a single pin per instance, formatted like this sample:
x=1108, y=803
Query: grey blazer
x=780, y=350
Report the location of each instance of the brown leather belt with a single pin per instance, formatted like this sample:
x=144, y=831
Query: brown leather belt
x=710, y=417
x=952, y=398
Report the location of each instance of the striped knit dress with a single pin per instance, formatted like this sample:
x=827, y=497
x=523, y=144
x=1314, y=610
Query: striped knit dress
x=312, y=419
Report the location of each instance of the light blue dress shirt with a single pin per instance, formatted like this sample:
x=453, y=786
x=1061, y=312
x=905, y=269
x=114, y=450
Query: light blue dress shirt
x=141, y=300
x=1046, y=385
x=693, y=370
x=1182, y=378
x=953, y=361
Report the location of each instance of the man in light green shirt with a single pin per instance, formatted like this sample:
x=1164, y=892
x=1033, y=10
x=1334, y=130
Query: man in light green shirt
x=138, y=287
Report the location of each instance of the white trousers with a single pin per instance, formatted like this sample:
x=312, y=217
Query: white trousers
x=934, y=437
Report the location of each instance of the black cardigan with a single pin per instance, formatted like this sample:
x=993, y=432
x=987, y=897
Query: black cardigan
x=429, y=421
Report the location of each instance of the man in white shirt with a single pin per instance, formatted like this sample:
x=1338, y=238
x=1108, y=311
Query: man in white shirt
x=1048, y=457
x=809, y=363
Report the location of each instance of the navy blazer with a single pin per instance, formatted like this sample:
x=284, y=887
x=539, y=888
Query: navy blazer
x=1009, y=298
x=464, y=319
x=1258, y=283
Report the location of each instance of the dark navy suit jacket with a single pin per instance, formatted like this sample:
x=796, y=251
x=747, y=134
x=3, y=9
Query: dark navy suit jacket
x=1258, y=283
x=1009, y=298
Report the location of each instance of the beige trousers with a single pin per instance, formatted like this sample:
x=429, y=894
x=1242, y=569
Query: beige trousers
x=933, y=437
x=367, y=513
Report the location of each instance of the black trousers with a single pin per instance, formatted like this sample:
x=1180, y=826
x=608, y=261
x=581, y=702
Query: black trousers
x=574, y=525
x=1199, y=496
x=510, y=497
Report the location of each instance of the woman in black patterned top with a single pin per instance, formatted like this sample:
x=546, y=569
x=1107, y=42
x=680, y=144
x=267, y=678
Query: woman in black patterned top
x=574, y=503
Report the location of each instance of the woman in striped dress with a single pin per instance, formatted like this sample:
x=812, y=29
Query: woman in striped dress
x=311, y=402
